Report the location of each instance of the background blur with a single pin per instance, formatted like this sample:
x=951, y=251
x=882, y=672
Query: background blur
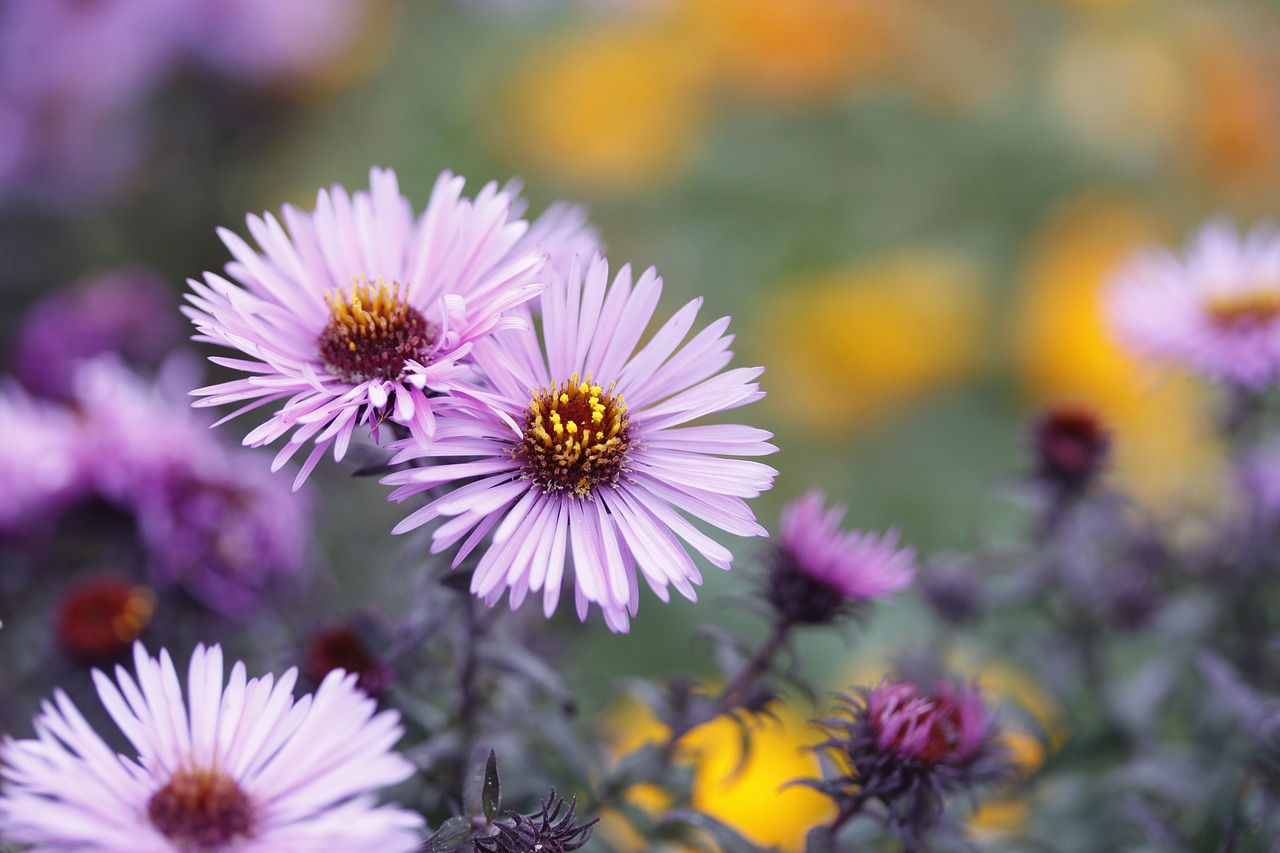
x=907, y=206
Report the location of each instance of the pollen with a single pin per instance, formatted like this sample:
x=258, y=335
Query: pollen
x=202, y=811
x=373, y=332
x=576, y=438
x=1257, y=308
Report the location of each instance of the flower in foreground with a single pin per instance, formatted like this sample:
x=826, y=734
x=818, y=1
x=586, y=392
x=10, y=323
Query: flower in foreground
x=1215, y=310
x=240, y=767
x=909, y=749
x=818, y=569
x=581, y=447
x=361, y=309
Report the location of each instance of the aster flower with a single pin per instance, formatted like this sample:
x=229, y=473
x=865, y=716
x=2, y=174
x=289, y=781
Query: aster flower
x=909, y=749
x=129, y=312
x=342, y=647
x=361, y=310
x=1216, y=310
x=239, y=766
x=818, y=570
x=580, y=447
x=211, y=520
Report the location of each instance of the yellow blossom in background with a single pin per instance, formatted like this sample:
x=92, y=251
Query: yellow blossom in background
x=788, y=49
x=749, y=795
x=1236, y=118
x=855, y=346
x=1163, y=456
x=609, y=107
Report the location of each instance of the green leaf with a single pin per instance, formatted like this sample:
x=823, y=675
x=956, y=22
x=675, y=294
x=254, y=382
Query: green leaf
x=449, y=837
x=491, y=792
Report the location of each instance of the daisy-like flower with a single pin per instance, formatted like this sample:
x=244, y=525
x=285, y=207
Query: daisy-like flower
x=582, y=447
x=1215, y=310
x=235, y=767
x=818, y=569
x=360, y=310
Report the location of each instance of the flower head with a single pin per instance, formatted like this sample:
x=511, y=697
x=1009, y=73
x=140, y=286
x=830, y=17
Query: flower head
x=100, y=616
x=342, y=647
x=551, y=829
x=129, y=312
x=1215, y=310
x=234, y=767
x=211, y=520
x=580, y=447
x=360, y=310
x=909, y=749
x=1070, y=445
x=818, y=569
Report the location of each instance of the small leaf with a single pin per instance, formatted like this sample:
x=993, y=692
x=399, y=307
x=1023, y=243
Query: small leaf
x=491, y=792
x=449, y=837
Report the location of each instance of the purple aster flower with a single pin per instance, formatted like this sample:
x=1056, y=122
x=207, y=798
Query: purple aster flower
x=239, y=766
x=1215, y=310
x=361, y=310
x=129, y=312
x=211, y=519
x=583, y=448
x=909, y=749
x=42, y=467
x=818, y=569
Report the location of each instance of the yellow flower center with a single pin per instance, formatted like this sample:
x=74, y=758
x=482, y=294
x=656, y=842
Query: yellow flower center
x=576, y=438
x=1243, y=309
x=373, y=332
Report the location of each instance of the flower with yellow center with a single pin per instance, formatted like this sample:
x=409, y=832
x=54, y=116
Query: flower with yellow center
x=553, y=461
x=363, y=312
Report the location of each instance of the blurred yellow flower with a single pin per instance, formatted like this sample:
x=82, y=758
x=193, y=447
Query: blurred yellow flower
x=1160, y=422
x=854, y=346
x=746, y=795
x=610, y=107
x=1236, y=117
x=786, y=49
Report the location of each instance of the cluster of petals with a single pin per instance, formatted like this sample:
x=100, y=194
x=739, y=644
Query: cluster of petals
x=41, y=460
x=210, y=518
x=947, y=727
x=1214, y=310
x=856, y=564
x=294, y=775
x=633, y=524
x=462, y=265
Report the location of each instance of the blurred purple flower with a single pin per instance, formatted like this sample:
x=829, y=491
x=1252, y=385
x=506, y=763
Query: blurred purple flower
x=555, y=459
x=1215, y=310
x=238, y=765
x=1070, y=444
x=210, y=517
x=818, y=569
x=128, y=312
x=41, y=462
x=909, y=749
x=76, y=73
x=363, y=310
